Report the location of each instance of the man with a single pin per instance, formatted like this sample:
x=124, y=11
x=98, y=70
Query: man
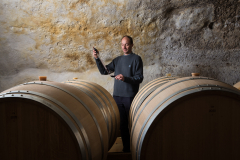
x=128, y=71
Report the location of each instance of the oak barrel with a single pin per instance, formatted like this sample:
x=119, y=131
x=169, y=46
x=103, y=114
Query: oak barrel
x=144, y=92
x=103, y=99
x=187, y=118
x=51, y=120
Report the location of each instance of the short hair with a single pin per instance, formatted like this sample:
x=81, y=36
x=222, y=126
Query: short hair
x=130, y=38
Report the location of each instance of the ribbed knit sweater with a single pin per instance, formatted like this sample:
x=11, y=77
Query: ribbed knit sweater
x=131, y=67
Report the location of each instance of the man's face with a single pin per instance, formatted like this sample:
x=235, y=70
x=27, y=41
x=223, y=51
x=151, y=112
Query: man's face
x=126, y=45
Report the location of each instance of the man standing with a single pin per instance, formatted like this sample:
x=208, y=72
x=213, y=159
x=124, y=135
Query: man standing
x=128, y=71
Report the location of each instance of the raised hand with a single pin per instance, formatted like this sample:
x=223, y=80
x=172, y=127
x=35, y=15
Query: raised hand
x=95, y=53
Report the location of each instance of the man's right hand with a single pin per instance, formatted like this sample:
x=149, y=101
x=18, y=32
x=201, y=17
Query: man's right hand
x=95, y=53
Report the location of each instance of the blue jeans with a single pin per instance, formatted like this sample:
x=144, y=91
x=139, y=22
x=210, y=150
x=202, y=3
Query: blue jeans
x=124, y=104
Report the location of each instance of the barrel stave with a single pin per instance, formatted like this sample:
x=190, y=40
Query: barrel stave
x=82, y=106
x=161, y=99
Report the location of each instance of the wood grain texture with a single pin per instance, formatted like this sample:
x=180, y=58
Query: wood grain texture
x=104, y=100
x=202, y=123
x=79, y=107
x=144, y=92
x=32, y=131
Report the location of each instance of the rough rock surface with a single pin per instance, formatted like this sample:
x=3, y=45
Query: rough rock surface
x=55, y=38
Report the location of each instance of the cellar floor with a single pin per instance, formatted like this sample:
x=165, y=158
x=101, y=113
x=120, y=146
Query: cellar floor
x=115, y=153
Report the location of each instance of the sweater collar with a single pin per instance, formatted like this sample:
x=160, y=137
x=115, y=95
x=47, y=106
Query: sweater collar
x=128, y=54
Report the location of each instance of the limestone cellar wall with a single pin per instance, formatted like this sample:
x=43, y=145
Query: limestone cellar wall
x=54, y=38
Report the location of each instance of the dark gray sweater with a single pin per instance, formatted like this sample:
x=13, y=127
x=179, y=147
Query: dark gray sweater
x=131, y=67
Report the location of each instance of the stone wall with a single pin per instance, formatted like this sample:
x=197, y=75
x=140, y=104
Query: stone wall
x=54, y=38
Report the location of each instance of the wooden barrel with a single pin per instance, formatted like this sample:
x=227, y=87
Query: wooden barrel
x=103, y=100
x=50, y=120
x=144, y=92
x=187, y=118
x=237, y=85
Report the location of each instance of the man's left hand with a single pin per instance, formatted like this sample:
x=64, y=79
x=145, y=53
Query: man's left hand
x=119, y=77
